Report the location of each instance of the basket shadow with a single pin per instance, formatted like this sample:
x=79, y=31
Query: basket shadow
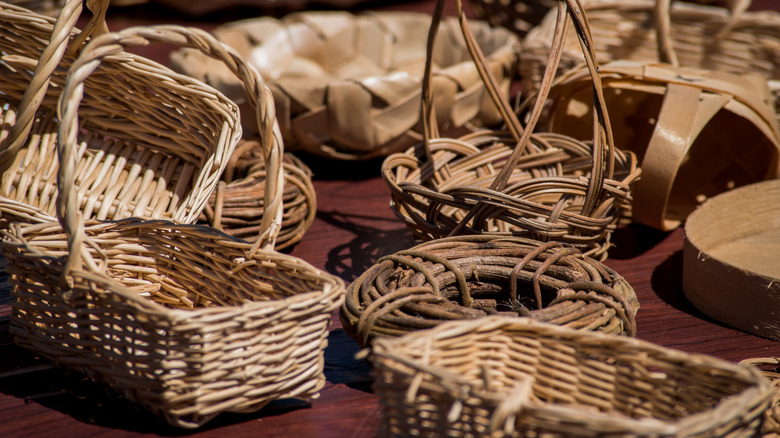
x=341, y=366
x=633, y=240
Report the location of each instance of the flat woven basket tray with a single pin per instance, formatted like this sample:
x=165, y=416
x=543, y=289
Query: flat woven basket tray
x=509, y=377
x=347, y=86
x=731, y=264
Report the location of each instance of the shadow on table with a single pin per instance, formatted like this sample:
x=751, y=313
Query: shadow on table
x=341, y=366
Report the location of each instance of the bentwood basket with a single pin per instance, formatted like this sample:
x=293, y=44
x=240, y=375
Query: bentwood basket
x=689, y=86
x=238, y=203
x=347, y=86
x=470, y=277
x=156, y=142
x=182, y=319
x=510, y=377
x=545, y=186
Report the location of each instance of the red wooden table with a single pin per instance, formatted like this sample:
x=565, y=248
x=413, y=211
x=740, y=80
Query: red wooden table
x=354, y=227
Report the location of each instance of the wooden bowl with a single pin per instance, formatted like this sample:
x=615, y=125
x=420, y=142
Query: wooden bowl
x=731, y=264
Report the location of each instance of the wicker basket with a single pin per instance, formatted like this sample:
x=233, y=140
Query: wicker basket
x=237, y=205
x=156, y=141
x=182, y=319
x=347, y=86
x=501, y=377
x=545, y=186
x=696, y=133
x=518, y=16
x=770, y=368
x=469, y=277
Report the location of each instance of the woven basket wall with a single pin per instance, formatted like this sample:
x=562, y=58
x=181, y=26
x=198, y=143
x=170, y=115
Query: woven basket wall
x=470, y=277
x=181, y=319
x=347, y=86
x=504, y=377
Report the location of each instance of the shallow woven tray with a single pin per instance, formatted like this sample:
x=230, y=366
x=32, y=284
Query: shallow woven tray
x=731, y=264
x=509, y=377
x=347, y=86
x=468, y=277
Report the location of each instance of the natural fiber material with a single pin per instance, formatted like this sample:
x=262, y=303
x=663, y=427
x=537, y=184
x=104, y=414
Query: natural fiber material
x=770, y=368
x=155, y=142
x=696, y=133
x=519, y=16
x=502, y=377
x=545, y=186
x=469, y=277
x=347, y=86
x=182, y=319
x=237, y=205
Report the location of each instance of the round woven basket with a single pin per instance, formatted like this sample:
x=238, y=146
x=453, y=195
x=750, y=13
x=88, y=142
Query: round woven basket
x=696, y=133
x=238, y=203
x=469, y=277
x=509, y=377
x=544, y=186
x=181, y=319
x=347, y=86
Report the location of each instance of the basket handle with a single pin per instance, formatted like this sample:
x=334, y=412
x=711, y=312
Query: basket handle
x=603, y=145
x=113, y=44
x=48, y=62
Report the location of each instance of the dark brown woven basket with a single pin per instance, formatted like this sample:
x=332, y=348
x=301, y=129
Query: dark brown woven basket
x=544, y=186
x=468, y=277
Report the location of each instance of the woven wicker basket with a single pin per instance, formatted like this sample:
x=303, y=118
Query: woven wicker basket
x=696, y=133
x=347, y=86
x=156, y=141
x=502, y=377
x=469, y=277
x=770, y=368
x=238, y=203
x=544, y=186
x=182, y=319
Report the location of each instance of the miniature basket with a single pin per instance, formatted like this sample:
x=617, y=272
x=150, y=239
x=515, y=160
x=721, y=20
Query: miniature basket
x=237, y=205
x=347, y=86
x=509, y=377
x=545, y=186
x=469, y=277
x=696, y=133
x=157, y=142
x=181, y=319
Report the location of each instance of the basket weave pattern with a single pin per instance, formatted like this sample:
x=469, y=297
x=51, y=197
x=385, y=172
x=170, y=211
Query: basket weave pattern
x=503, y=377
x=469, y=277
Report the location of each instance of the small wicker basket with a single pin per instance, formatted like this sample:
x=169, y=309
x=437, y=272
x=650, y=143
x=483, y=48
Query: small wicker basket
x=510, y=377
x=469, y=277
x=347, y=86
x=156, y=142
x=182, y=319
x=238, y=203
x=545, y=186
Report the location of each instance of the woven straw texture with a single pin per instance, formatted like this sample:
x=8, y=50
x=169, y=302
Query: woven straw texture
x=544, y=186
x=238, y=203
x=155, y=142
x=347, y=86
x=182, y=319
x=469, y=277
x=696, y=133
x=502, y=377
x=770, y=368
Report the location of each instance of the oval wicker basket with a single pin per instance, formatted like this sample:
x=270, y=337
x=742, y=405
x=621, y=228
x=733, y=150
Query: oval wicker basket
x=696, y=133
x=468, y=277
x=545, y=186
x=508, y=377
x=182, y=319
x=731, y=258
x=156, y=142
x=237, y=205
x=347, y=86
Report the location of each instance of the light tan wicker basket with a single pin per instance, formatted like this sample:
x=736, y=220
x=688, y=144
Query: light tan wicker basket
x=713, y=131
x=696, y=133
x=238, y=203
x=182, y=319
x=470, y=277
x=156, y=142
x=347, y=86
x=512, y=377
x=545, y=186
